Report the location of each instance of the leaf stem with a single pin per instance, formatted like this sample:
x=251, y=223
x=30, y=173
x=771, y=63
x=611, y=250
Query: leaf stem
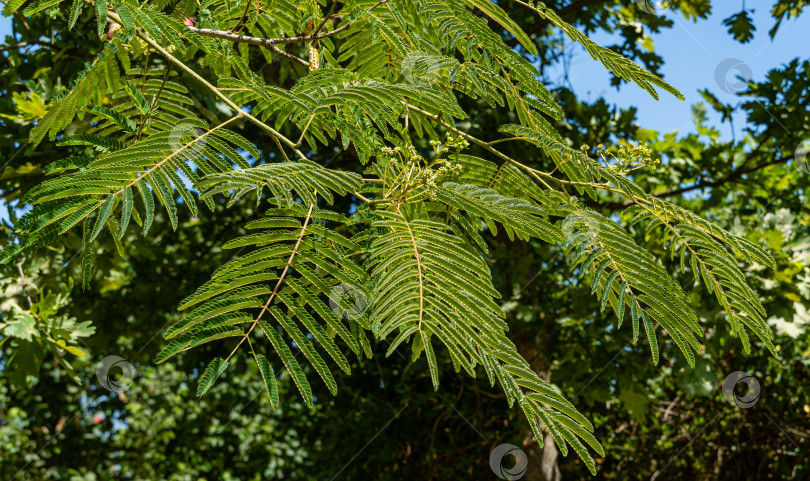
x=148, y=39
x=278, y=283
x=418, y=267
x=173, y=154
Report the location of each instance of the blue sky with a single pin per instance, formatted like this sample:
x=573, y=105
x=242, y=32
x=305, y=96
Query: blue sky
x=692, y=53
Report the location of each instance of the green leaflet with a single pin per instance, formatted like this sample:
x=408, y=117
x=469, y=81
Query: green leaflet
x=215, y=368
x=520, y=215
x=197, y=338
x=149, y=204
x=103, y=215
x=239, y=285
x=607, y=289
x=126, y=211
x=133, y=91
x=282, y=179
x=289, y=362
x=653, y=340
x=72, y=162
x=431, y=358
x=239, y=299
x=164, y=194
x=88, y=255
x=306, y=348
x=440, y=297
x=113, y=116
x=101, y=16
x=11, y=6
x=39, y=5
x=126, y=18
x=101, y=144
x=269, y=378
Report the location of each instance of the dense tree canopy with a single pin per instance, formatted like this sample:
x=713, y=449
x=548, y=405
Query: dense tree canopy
x=393, y=193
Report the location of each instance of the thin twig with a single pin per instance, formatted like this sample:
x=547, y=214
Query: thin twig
x=264, y=42
x=154, y=102
x=26, y=44
x=176, y=152
x=24, y=280
x=288, y=56
x=148, y=39
x=244, y=14
x=486, y=145
x=267, y=42
x=27, y=29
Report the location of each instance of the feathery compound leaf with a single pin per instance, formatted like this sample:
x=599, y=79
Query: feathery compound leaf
x=151, y=164
x=91, y=83
x=711, y=261
x=522, y=216
x=304, y=267
x=606, y=247
x=494, y=12
x=427, y=283
x=619, y=65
